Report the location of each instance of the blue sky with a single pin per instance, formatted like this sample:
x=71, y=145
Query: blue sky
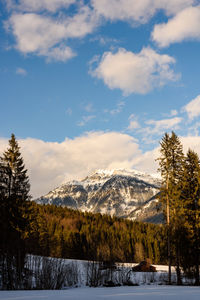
x=109, y=75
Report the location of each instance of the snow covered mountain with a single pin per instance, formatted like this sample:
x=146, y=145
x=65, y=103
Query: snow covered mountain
x=123, y=193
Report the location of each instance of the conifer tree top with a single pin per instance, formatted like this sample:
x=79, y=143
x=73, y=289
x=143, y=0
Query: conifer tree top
x=19, y=182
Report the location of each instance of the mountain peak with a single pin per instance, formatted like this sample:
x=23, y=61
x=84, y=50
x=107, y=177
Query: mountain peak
x=106, y=173
x=126, y=172
x=124, y=193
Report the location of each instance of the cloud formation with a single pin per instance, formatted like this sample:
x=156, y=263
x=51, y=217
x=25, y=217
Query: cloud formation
x=185, y=25
x=147, y=161
x=118, y=108
x=21, y=71
x=45, y=35
x=85, y=120
x=191, y=142
x=89, y=107
x=160, y=126
x=135, y=72
x=137, y=11
x=38, y=5
x=193, y=108
x=133, y=123
x=173, y=112
x=44, y=28
x=154, y=129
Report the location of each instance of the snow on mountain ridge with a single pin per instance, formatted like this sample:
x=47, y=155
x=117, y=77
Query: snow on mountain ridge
x=101, y=175
x=124, y=193
x=104, y=174
x=127, y=172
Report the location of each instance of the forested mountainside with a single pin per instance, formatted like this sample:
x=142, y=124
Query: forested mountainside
x=128, y=194
x=63, y=232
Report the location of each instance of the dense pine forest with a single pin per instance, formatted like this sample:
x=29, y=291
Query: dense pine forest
x=61, y=232
x=29, y=228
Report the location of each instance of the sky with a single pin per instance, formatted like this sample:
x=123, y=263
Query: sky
x=95, y=84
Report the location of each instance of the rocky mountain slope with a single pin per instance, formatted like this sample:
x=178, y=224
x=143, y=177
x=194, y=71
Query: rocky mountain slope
x=127, y=194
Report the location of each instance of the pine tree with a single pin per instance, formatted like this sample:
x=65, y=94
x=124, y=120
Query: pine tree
x=164, y=162
x=191, y=198
x=177, y=162
x=171, y=168
x=14, y=191
x=18, y=182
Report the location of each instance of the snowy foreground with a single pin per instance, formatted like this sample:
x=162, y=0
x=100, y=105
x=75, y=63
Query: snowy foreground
x=119, y=293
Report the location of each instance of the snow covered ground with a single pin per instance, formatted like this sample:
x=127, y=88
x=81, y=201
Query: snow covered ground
x=119, y=293
x=80, y=273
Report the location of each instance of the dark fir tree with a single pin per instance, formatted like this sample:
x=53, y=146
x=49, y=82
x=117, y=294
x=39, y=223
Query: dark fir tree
x=18, y=182
x=191, y=198
x=177, y=162
x=171, y=168
x=164, y=163
x=14, y=193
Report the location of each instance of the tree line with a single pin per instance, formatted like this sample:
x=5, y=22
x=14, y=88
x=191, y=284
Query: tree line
x=62, y=232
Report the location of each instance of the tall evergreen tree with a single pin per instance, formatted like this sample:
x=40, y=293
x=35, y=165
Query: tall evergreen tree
x=177, y=162
x=191, y=198
x=18, y=182
x=171, y=168
x=14, y=193
x=164, y=163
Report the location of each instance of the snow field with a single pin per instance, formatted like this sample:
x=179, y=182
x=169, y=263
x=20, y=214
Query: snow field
x=118, y=293
x=80, y=273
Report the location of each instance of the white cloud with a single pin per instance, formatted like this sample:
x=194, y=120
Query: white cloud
x=85, y=120
x=89, y=107
x=173, y=112
x=69, y=111
x=193, y=108
x=191, y=142
x=38, y=5
x=104, y=40
x=137, y=11
x=21, y=71
x=61, y=53
x=133, y=123
x=35, y=33
x=42, y=27
x=159, y=126
x=194, y=129
x=135, y=72
x=185, y=25
x=45, y=35
x=118, y=109
x=147, y=161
